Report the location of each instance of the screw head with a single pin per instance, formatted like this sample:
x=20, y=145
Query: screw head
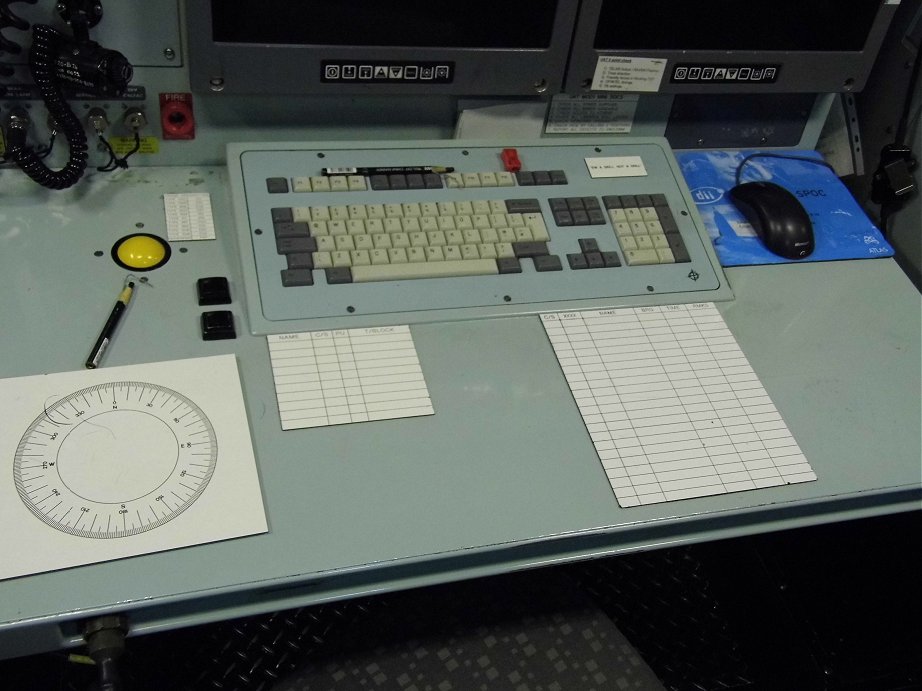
x=169, y=53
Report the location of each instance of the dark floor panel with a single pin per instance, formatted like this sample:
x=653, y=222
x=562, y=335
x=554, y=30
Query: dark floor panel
x=833, y=608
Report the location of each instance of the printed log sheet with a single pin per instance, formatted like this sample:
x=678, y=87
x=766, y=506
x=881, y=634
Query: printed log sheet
x=671, y=403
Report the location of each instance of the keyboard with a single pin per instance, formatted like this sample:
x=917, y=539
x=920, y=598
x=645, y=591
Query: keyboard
x=366, y=234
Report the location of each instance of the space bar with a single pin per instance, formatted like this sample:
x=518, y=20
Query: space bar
x=399, y=272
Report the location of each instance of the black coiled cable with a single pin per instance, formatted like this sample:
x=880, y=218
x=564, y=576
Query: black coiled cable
x=7, y=46
x=41, y=64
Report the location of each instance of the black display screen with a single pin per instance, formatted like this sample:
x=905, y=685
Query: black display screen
x=794, y=25
x=412, y=23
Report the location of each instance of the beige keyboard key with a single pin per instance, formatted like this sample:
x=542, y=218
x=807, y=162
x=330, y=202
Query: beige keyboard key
x=411, y=224
x=416, y=254
x=393, y=210
x=342, y=258
x=337, y=228
x=654, y=227
x=428, y=223
x=419, y=239
x=375, y=210
x=326, y=243
x=489, y=235
x=318, y=228
x=499, y=220
x=301, y=184
x=382, y=240
x=504, y=250
x=665, y=256
x=488, y=179
x=472, y=235
x=400, y=240
x=339, y=183
x=435, y=254
x=638, y=227
x=463, y=222
x=617, y=215
x=344, y=242
x=360, y=257
x=358, y=211
x=497, y=206
x=446, y=209
x=429, y=209
x=356, y=183
x=623, y=230
x=323, y=260
x=391, y=272
x=633, y=214
x=436, y=238
x=452, y=252
x=379, y=256
x=648, y=213
x=480, y=206
x=374, y=225
x=464, y=208
x=628, y=243
x=397, y=255
x=480, y=221
x=641, y=257
x=505, y=179
x=411, y=210
x=339, y=212
x=355, y=226
x=320, y=213
x=393, y=225
x=644, y=242
x=446, y=222
x=301, y=214
x=454, y=181
x=515, y=220
x=471, y=179
x=523, y=234
x=364, y=242
x=320, y=183
x=470, y=252
x=507, y=234
x=659, y=241
x=454, y=237
x=487, y=250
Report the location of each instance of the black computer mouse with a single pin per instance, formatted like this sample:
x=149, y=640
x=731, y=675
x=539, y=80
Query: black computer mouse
x=779, y=219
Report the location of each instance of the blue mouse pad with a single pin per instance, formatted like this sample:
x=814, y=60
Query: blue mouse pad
x=841, y=228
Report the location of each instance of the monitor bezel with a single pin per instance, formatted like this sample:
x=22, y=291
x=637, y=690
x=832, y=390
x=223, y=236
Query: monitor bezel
x=805, y=71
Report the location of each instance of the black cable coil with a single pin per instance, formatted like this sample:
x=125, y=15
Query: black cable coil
x=41, y=65
x=9, y=20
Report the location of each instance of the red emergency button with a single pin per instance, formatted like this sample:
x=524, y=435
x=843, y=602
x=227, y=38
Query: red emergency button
x=511, y=160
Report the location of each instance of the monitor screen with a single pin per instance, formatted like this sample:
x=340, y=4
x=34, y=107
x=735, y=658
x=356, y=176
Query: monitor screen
x=725, y=46
x=475, y=47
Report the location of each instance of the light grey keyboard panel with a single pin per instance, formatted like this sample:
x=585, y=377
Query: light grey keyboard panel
x=376, y=247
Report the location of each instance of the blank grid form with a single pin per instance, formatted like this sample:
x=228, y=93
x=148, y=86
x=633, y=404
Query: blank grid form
x=347, y=375
x=671, y=403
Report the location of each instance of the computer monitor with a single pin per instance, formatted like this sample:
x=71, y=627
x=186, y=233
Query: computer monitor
x=415, y=47
x=726, y=46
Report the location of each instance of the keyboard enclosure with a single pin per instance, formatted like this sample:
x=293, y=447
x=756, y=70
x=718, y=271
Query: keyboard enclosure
x=274, y=307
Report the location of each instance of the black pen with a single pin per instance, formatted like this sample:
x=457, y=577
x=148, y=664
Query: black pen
x=387, y=170
x=108, y=330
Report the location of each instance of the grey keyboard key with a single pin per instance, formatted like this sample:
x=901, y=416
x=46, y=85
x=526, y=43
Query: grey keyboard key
x=523, y=206
x=659, y=200
x=291, y=230
x=295, y=245
x=300, y=260
x=577, y=261
x=594, y=260
x=588, y=245
x=415, y=181
x=611, y=201
x=549, y=262
x=297, y=277
x=508, y=265
x=611, y=259
x=529, y=248
x=580, y=217
x=340, y=274
x=525, y=178
x=558, y=204
x=282, y=214
x=277, y=185
x=563, y=218
x=558, y=177
x=596, y=217
x=432, y=181
x=397, y=181
x=542, y=177
x=379, y=182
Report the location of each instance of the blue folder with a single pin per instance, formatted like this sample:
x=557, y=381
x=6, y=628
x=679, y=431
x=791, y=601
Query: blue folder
x=841, y=228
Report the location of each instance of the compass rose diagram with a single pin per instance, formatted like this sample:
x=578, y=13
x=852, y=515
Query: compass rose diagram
x=115, y=459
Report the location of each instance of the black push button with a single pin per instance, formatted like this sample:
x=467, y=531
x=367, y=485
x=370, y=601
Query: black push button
x=213, y=290
x=218, y=325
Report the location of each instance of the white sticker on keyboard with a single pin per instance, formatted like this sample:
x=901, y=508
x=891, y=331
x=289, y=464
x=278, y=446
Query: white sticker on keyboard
x=347, y=375
x=671, y=403
x=616, y=167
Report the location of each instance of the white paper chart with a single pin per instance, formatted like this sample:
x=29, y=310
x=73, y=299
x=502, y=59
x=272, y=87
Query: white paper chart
x=347, y=375
x=122, y=461
x=671, y=403
x=188, y=216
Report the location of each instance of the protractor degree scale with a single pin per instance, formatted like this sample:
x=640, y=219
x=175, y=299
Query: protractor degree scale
x=115, y=459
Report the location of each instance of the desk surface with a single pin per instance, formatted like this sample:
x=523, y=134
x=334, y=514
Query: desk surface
x=502, y=477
